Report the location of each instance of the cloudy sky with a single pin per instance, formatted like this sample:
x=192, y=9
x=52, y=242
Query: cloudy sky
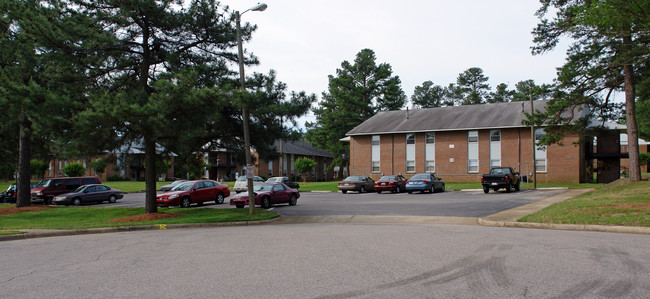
x=304, y=41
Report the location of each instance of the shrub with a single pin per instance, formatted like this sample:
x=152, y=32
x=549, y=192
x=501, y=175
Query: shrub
x=74, y=169
x=38, y=168
x=100, y=165
x=115, y=178
x=304, y=165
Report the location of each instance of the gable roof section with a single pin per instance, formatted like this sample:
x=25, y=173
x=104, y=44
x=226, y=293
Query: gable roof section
x=454, y=118
x=299, y=147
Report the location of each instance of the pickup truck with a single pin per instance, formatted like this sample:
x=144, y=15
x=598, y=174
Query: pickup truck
x=500, y=177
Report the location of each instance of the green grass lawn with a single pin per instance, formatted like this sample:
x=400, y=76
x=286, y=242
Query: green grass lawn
x=627, y=205
x=93, y=217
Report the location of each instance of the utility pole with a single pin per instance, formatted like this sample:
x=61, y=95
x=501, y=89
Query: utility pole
x=532, y=137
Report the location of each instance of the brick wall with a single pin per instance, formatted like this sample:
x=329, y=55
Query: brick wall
x=451, y=156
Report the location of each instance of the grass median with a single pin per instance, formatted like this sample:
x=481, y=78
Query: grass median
x=625, y=205
x=95, y=217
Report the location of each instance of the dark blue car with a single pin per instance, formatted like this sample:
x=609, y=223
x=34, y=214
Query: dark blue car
x=425, y=182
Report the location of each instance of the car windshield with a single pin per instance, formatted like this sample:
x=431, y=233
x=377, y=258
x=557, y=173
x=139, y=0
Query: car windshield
x=420, y=177
x=387, y=178
x=273, y=180
x=80, y=189
x=262, y=187
x=241, y=178
x=353, y=178
x=183, y=186
x=11, y=187
x=44, y=183
x=174, y=183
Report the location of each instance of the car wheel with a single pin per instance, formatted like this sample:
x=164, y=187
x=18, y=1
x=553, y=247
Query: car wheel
x=486, y=190
x=344, y=191
x=517, y=187
x=508, y=188
x=410, y=192
x=293, y=200
x=433, y=189
x=112, y=199
x=397, y=189
x=379, y=192
x=219, y=198
x=185, y=202
x=47, y=200
x=362, y=189
x=239, y=206
x=266, y=202
x=442, y=189
x=76, y=201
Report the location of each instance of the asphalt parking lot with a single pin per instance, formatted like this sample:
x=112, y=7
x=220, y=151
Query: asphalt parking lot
x=447, y=204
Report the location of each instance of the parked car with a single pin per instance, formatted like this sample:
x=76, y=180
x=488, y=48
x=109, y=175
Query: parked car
x=169, y=187
x=95, y=193
x=425, y=182
x=392, y=183
x=10, y=194
x=360, y=183
x=47, y=189
x=199, y=191
x=285, y=180
x=241, y=186
x=268, y=194
x=500, y=177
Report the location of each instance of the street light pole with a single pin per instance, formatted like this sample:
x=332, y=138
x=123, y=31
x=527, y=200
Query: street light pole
x=244, y=109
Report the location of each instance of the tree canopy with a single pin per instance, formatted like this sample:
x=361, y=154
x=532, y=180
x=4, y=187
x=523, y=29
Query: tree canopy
x=609, y=51
x=357, y=92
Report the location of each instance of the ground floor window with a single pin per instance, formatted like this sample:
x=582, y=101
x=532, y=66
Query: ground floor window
x=430, y=166
x=410, y=166
x=375, y=166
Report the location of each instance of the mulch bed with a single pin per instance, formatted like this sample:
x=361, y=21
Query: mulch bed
x=146, y=217
x=14, y=210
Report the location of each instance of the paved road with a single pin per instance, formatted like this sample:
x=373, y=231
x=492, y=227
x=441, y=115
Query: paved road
x=329, y=261
x=450, y=203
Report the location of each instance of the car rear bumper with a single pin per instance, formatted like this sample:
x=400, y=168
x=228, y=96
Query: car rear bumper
x=417, y=187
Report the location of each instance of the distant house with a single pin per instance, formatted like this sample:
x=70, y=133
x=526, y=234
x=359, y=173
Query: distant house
x=460, y=143
x=128, y=163
x=222, y=163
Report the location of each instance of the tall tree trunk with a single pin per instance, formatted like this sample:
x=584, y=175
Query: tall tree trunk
x=632, y=131
x=24, y=171
x=150, y=173
x=630, y=109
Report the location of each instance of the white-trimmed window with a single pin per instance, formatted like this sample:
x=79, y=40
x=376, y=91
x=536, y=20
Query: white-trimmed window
x=472, y=151
x=495, y=148
x=270, y=168
x=430, y=152
x=540, y=152
x=376, y=153
x=410, y=152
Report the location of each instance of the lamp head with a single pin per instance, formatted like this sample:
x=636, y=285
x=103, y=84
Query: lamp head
x=259, y=7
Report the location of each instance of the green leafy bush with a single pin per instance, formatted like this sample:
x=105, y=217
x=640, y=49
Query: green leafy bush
x=74, y=169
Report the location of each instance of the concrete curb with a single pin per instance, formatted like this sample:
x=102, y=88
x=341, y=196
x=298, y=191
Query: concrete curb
x=576, y=227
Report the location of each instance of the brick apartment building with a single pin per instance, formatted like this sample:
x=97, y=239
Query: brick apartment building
x=222, y=163
x=462, y=142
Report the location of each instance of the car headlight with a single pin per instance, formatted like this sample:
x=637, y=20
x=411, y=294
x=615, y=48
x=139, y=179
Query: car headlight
x=173, y=196
x=39, y=193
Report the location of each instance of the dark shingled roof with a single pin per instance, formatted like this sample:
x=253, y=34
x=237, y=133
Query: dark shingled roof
x=467, y=117
x=300, y=148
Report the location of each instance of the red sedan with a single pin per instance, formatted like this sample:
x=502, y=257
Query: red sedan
x=267, y=194
x=187, y=193
x=392, y=183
